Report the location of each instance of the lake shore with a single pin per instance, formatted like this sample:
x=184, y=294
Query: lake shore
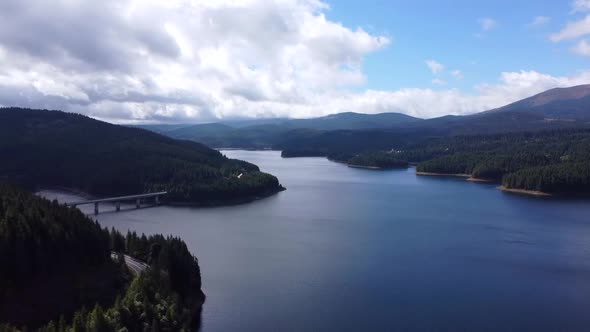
x=239, y=201
x=472, y=179
x=443, y=174
x=525, y=192
x=365, y=167
x=233, y=202
x=377, y=168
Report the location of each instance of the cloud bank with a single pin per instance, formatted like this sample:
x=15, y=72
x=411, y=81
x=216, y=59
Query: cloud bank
x=189, y=61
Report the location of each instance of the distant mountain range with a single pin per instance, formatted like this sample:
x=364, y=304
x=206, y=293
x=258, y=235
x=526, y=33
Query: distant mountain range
x=265, y=133
x=552, y=109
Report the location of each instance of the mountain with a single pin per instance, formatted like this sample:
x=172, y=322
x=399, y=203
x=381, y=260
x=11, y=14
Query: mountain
x=266, y=133
x=55, y=149
x=554, y=109
x=200, y=130
x=350, y=120
x=571, y=103
x=160, y=128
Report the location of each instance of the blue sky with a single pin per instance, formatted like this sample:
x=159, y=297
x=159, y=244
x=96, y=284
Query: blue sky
x=450, y=33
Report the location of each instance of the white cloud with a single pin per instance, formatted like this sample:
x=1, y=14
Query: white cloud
x=427, y=103
x=184, y=60
x=582, y=48
x=434, y=66
x=487, y=23
x=149, y=60
x=580, y=6
x=457, y=74
x=572, y=30
x=539, y=21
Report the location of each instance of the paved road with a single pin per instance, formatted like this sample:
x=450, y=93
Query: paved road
x=136, y=266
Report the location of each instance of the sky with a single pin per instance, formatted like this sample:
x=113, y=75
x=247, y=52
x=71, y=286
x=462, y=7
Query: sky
x=191, y=61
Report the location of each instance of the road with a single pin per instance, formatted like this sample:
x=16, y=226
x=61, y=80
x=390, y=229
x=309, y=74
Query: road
x=134, y=265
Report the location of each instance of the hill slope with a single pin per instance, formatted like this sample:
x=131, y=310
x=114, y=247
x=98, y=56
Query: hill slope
x=55, y=261
x=261, y=134
x=553, y=109
x=57, y=149
x=571, y=103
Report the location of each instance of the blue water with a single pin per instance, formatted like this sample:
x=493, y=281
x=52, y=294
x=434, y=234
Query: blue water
x=358, y=250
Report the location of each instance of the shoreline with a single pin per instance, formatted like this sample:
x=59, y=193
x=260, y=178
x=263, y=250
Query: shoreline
x=234, y=202
x=468, y=176
x=525, y=192
x=364, y=167
x=376, y=168
x=240, y=201
x=472, y=179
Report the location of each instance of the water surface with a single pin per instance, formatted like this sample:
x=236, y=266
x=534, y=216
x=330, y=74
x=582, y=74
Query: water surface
x=348, y=249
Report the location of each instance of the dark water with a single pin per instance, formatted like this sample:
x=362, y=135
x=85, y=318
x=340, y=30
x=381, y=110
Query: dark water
x=356, y=250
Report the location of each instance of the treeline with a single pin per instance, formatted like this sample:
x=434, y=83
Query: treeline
x=56, y=261
x=55, y=149
x=547, y=161
x=295, y=153
x=379, y=159
x=558, y=178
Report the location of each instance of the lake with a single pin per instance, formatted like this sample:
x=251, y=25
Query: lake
x=346, y=249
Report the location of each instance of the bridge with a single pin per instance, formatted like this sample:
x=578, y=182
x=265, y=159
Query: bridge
x=118, y=200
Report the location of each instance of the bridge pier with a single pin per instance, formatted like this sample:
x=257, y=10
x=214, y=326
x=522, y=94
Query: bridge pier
x=137, y=204
x=118, y=206
x=96, y=208
x=157, y=200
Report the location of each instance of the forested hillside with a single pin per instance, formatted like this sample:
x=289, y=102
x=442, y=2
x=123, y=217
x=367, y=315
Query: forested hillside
x=267, y=133
x=547, y=161
x=378, y=160
x=54, y=149
x=57, y=272
x=46, y=249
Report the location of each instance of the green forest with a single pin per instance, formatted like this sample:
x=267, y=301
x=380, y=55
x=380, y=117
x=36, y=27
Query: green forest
x=63, y=272
x=382, y=160
x=551, y=161
x=52, y=149
x=556, y=161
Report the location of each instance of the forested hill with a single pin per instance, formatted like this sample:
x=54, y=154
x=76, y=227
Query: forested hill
x=41, y=148
x=266, y=133
x=552, y=109
x=556, y=161
x=58, y=272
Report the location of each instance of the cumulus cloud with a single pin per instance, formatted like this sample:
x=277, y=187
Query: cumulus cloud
x=146, y=59
x=427, y=103
x=434, y=66
x=188, y=61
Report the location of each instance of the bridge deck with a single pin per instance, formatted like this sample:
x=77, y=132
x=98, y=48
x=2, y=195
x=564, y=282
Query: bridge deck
x=120, y=198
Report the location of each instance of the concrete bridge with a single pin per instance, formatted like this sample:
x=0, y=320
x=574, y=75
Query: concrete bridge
x=118, y=200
